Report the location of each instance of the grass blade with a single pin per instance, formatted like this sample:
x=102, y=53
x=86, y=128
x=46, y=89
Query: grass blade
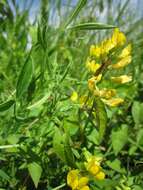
x=91, y=26
x=76, y=11
x=24, y=78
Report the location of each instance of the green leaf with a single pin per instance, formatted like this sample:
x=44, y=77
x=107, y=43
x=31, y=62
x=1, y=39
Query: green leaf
x=6, y=105
x=94, y=137
x=75, y=12
x=137, y=187
x=140, y=137
x=91, y=26
x=35, y=171
x=39, y=102
x=137, y=110
x=24, y=78
x=68, y=151
x=132, y=149
x=13, y=138
x=101, y=117
x=4, y=175
x=58, y=144
x=105, y=184
x=115, y=165
x=119, y=138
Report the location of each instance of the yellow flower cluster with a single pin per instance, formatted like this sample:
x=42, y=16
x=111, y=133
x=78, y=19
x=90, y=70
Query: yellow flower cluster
x=93, y=167
x=100, y=60
x=76, y=181
x=117, y=39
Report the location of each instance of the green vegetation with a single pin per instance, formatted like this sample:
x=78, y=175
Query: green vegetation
x=60, y=125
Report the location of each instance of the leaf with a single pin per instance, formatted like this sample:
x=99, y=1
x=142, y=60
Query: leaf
x=75, y=12
x=94, y=137
x=4, y=175
x=101, y=117
x=137, y=110
x=68, y=152
x=132, y=149
x=137, y=187
x=24, y=78
x=119, y=138
x=116, y=165
x=39, y=102
x=105, y=184
x=58, y=144
x=140, y=137
x=13, y=138
x=40, y=36
x=35, y=171
x=6, y=105
x=91, y=26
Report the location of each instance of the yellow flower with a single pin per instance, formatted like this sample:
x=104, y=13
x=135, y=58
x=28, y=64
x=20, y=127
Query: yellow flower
x=93, y=165
x=93, y=169
x=74, y=96
x=122, y=63
x=105, y=93
x=100, y=175
x=113, y=102
x=98, y=78
x=82, y=182
x=85, y=188
x=106, y=46
x=76, y=182
x=126, y=51
x=92, y=81
x=92, y=66
x=122, y=79
x=72, y=179
x=118, y=37
x=95, y=51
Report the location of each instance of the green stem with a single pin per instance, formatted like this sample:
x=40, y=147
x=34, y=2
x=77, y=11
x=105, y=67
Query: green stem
x=59, y=187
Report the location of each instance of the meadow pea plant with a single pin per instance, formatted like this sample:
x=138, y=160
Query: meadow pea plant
x=71, y=95
x=112, y=53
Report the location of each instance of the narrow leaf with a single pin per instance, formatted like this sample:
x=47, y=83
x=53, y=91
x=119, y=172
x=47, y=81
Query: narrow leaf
x=91, y=26
x=35, y=171
x=101, y=117
x=6, y=105
x=24, y=78
x=39, y=102
x=75, y=12
x=68, y=152
x=4, y=175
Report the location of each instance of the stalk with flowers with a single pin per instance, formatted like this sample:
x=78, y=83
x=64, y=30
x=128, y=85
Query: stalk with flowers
x=111, y=54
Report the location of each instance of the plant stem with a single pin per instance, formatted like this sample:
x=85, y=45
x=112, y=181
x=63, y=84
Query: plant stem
x=59, y=187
